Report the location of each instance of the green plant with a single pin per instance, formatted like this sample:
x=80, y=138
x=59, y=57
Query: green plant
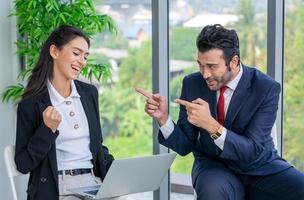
x=37, y=18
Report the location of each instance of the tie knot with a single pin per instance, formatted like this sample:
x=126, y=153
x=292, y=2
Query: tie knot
x=223, y=89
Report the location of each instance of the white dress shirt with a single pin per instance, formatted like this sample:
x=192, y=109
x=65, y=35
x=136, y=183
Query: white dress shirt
x=73, y=141
x=168, y=127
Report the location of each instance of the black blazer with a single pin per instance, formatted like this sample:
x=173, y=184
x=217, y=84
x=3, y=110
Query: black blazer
x=35, y=151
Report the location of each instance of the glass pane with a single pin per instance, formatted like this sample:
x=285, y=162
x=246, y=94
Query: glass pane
x=127, y=129
x=187, y=18
x=294, y=84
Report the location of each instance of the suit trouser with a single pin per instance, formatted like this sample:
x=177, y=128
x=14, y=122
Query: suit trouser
x=222, y=184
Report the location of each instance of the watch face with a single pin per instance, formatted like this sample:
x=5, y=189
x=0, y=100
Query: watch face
x=214, y=136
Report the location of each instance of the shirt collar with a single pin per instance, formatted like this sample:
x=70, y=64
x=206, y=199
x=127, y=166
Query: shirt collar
x=74, y=92
x=232, y=84
x=56, y=98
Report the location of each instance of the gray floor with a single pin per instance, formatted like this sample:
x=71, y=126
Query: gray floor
x=149, y=196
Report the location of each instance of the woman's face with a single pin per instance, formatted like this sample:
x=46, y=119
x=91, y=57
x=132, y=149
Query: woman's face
x=70, y=59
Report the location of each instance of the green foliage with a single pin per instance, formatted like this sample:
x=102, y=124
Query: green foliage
x=14, y=92
x=122, y=109
x=175, y=91
x=137, y=145
x=293, y=88
x=139, y=66
x=112, y=41
x=251, y=29
x=182, y=43
x=100, y=71
x=37, y=19
x=183, y=165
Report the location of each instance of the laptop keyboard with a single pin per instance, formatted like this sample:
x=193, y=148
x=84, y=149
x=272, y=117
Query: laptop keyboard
x=91, y=192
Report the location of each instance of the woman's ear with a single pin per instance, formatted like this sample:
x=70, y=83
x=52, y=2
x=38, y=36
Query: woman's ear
x=54, y=51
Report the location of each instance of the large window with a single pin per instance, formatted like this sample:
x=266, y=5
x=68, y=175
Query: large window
x=294, y=84
x=126, y=128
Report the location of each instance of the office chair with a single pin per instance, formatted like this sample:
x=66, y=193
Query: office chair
x=9, y=153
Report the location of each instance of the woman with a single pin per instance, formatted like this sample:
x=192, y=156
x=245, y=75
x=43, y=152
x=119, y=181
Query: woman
x=59, y=140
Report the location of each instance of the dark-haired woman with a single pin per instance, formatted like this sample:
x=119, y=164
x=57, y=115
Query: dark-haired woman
x=59, y=140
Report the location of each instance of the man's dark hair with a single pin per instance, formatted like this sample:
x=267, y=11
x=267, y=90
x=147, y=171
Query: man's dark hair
x=218, y=37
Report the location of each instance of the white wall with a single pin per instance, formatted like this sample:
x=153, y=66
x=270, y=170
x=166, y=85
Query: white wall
x=8, y=73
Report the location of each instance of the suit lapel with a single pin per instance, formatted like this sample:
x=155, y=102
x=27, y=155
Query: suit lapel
x=212, y=104
x=209, y=96
x=239, y=97
x=89, y=110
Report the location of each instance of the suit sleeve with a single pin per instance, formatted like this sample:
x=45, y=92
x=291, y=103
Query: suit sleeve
x=248, y=147
x=184, y=135
x=32, y=144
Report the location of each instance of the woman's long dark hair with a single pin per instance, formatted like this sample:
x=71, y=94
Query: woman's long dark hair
x=44, y=67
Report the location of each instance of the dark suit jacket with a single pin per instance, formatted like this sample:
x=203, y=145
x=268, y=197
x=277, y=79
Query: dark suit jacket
x=35, y=143
x=248, y=148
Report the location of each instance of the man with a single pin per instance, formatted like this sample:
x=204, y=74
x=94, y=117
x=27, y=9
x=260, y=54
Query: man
x=227, y=111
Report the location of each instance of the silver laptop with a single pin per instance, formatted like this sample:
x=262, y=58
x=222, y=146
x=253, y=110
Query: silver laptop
x=131, y=175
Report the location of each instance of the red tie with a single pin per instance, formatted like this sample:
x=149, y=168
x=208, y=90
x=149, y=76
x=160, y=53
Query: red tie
x=221, y=106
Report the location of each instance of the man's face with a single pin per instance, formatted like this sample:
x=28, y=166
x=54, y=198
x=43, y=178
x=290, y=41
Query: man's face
x=213, y=67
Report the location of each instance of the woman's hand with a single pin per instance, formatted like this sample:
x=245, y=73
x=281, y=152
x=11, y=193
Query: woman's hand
x=51, y=118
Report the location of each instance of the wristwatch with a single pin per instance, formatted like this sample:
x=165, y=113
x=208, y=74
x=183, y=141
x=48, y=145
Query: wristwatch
x=218, y=133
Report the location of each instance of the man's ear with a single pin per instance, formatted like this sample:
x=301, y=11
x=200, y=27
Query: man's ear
x=234, y=61
x=54, y=51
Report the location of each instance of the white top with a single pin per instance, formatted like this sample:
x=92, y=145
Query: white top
x=73, y=141
x=168, y=127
